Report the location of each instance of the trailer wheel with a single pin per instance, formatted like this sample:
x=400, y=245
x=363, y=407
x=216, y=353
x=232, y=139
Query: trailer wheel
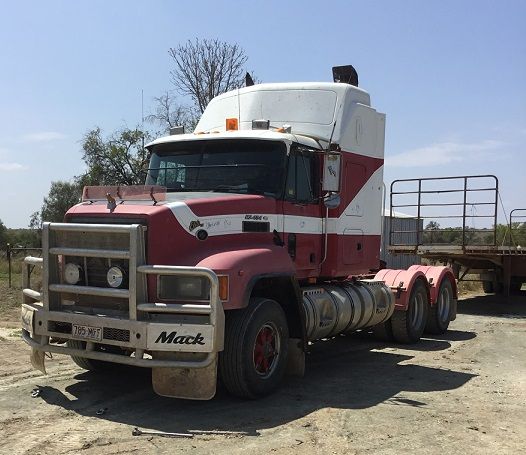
x=487, y=286
x=515, y=284
x=409, y=325
x=88, y=364
x=440, y=314
x=253, y=361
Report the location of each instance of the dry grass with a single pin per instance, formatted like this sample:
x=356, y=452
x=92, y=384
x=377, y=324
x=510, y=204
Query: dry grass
x=11, y=297
x=470, y=287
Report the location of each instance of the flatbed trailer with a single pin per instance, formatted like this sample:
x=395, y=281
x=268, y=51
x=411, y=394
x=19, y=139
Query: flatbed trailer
x=470, y=244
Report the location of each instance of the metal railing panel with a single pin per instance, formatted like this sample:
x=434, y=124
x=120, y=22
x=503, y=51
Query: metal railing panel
x=452, y=205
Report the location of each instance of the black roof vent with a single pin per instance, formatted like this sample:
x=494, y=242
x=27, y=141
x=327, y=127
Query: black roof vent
x=346, y=74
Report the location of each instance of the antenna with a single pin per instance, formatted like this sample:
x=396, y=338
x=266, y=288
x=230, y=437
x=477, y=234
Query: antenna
x=142, y=119
x=142, y=108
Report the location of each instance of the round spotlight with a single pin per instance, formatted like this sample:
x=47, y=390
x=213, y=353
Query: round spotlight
x=115, y=277
x=72, y=273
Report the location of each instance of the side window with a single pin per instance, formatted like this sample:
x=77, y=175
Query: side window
x=301, y=178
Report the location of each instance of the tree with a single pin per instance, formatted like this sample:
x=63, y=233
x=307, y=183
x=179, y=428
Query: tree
x=206, y=68
x=3, y=235
x=432, y=226
x=62, y=195
x=168, y=113
x=118, y=160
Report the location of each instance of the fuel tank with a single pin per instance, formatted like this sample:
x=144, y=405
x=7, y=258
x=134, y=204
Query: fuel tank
x=343, y=308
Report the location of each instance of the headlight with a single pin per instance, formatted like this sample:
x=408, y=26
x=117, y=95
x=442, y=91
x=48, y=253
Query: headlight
x=72, y=273
x=183, y=287
x=115, y=276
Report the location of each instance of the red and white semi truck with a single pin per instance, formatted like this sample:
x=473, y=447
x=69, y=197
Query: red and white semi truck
x=253, y=236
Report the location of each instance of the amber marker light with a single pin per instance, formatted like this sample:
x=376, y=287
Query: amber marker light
x=231, y=124
x=223, y=287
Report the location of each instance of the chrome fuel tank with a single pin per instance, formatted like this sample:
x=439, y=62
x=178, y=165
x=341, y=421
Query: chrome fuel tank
x=342, y=308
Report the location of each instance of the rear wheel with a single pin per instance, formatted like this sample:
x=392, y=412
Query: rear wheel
x=409, y=325
x=440, y=314
x=253, y=361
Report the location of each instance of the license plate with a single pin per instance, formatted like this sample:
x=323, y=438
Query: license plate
x=87, y=332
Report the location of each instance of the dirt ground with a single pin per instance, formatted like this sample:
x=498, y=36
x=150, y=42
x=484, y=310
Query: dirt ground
x=464, y=392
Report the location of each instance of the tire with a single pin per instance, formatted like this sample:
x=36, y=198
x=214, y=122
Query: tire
x=383, y=331
x=88, y=364
x=439, y=315
x=487, y=286
x=409, y=325
x=254, y=359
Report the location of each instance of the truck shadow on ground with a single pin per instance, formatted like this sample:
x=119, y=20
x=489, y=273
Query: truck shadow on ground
x=513, y=306
x=350, y=372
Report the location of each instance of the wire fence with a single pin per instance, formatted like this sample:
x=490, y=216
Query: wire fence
x=15, y=254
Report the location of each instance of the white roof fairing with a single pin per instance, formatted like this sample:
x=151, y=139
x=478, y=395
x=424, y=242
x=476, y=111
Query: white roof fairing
x=316, y=112
x=311, y=108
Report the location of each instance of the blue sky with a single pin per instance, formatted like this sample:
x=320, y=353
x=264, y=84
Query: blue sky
x=450, y=75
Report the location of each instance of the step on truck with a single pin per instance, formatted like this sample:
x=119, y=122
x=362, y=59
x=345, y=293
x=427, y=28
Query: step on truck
x=252, y=237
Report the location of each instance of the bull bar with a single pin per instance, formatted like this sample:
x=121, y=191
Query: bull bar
x=40, y=308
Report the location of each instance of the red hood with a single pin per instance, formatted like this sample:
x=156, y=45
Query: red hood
x=202, y=204
x=173, y=224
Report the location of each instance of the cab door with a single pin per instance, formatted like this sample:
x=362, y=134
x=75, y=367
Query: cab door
x=302, y=211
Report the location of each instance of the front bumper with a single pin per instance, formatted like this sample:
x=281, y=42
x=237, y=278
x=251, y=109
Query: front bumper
x=179, y=345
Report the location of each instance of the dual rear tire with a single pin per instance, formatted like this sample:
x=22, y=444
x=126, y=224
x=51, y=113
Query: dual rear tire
x=408, y=326
x=440, y=314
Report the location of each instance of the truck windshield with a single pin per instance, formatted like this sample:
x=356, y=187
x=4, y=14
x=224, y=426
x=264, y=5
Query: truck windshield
x=240, y=166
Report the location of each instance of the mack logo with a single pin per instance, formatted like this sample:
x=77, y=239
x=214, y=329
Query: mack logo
x=195, y=224
x=180, y=339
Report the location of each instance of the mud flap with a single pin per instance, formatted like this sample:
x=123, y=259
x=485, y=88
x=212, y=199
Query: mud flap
x=38, y=360
x=189, y=383
x=295, y=358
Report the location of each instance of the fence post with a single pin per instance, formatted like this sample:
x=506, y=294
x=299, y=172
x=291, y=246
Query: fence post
x=8, y=254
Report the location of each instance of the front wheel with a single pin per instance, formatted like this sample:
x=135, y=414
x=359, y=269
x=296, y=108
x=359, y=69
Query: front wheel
x=253, y=361
x=93, y=364
x=409, y=325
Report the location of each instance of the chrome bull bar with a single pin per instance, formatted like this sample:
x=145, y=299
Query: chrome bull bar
x=40, y=309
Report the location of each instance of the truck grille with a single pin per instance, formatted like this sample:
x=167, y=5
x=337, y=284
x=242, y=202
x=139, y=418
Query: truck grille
x=94, y=248
x=108, y=333
x=59, y=327
x=97, y=270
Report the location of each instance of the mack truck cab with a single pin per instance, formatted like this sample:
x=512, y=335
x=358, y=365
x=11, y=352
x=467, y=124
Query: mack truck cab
x=253, y=236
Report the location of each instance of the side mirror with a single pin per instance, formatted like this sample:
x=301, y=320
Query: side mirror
x=332, y=200
x=331, y=172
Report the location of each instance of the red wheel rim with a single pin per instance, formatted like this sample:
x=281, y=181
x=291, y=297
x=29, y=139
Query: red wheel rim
x=266, y=349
